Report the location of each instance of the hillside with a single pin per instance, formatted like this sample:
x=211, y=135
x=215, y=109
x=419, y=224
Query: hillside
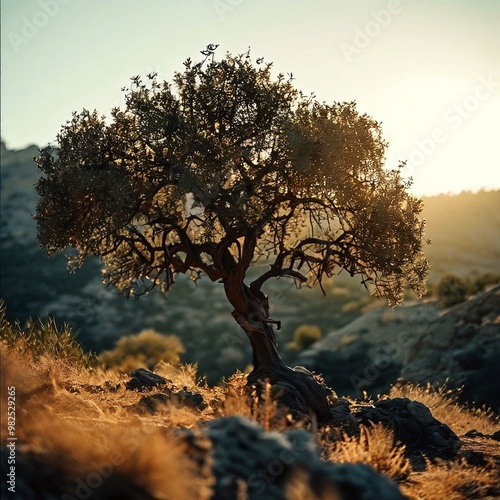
x=90, y=433
x=419, y=343
x=465, y=233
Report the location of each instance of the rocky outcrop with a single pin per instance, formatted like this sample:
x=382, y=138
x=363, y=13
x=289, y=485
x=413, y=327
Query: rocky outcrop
x=462, y=349
x=143, y=380
x=245, y=457
x=368, y=354
x=414, y=426
x=420, y=343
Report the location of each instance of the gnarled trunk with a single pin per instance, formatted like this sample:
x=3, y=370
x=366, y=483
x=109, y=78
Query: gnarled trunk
x=295, y=388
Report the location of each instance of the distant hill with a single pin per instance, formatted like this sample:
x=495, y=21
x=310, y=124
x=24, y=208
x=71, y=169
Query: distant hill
x=465, y=233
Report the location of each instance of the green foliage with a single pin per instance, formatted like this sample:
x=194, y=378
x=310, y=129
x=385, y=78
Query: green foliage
x=304, y=336
x=226, y=165
x=145, y=349
x=44, y=339
x=451, y=290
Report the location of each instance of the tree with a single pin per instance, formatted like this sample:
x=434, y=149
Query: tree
x=226, y=168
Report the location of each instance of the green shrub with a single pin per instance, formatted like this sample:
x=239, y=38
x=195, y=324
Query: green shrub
x=142, y=350
x=451, y=290
x=304, y=336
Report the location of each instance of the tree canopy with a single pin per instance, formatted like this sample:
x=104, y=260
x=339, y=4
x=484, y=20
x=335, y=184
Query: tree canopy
x=224, y=166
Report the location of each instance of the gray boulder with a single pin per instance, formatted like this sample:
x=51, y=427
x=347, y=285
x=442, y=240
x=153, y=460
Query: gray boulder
x=242, y=451
x=414, y=426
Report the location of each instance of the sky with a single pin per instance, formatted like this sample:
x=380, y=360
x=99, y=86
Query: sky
x=429, y=70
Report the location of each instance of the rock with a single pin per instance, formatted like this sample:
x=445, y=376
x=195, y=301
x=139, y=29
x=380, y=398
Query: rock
x=414, y=426
x=420, y=412
x=242, y=452
x=461, y=349
x=342, y=417
x=53, y=477
x=368, y=354
x=154, y=403
x=144, y=380
x=188, y=398
x=466, y=330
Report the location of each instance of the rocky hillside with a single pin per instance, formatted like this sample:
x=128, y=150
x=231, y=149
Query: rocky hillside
x=462, y=349
x=168, y=435
x=419, y=343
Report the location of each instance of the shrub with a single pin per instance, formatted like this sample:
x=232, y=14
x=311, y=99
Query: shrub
x=482, y=282
x=451, y=290
x=145, y=349
x=304, y=336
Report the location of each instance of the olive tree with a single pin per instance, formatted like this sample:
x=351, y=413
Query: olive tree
x=225, y=168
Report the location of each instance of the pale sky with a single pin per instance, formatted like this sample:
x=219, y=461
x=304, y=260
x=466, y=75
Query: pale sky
x=429, y=70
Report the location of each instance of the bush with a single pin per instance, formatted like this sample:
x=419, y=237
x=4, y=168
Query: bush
x=451, y=290
x=145, y=349
x=483, y=282
x=304, y=336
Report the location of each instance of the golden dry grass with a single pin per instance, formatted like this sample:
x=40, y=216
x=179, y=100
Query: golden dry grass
x=375, y=446
x=83, y=423
x=81, y=433
x=455, y=480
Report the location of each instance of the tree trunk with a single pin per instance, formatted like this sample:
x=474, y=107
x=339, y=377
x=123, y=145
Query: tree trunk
x=295, y=388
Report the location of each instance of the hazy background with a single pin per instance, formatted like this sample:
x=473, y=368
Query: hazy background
x=419, y=66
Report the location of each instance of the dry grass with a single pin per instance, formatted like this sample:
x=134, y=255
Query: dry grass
x=264, y=409
x=77, y=424
x=452, y=480
x=375, y=446
x=236, y=400
x=443, y=404
x=90, y=436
